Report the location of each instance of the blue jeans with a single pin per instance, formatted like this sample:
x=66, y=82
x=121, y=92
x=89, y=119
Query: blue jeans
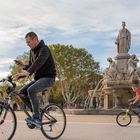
x=30, y=91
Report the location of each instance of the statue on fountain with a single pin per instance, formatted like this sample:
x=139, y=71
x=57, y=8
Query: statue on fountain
x=111, y=72
x=117, y=78
x=132, y=65
x=123, y=40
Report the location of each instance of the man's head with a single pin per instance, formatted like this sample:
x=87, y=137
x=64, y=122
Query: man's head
x=123, y=24
x=109, y=59
x=31, y=39
x=133, y=56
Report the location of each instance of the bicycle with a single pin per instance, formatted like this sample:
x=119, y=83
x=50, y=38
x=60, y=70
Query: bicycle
x=124, y=118
x=53, y=118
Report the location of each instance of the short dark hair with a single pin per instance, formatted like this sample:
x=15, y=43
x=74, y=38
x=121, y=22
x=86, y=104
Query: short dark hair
x=31, y=34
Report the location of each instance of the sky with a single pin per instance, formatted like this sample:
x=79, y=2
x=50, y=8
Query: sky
x=89, y=24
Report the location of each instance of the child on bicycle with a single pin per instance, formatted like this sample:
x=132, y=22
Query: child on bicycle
x=136, y=98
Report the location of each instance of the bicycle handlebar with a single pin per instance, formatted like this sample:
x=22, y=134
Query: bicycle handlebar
x=8, y=79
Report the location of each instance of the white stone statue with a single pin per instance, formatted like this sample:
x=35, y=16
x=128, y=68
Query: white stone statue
x=132, y=64
x=123, y=40
x=111, y=71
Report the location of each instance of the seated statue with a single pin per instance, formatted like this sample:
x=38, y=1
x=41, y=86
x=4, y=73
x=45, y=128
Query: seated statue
x=132, y=65
x=111, y=72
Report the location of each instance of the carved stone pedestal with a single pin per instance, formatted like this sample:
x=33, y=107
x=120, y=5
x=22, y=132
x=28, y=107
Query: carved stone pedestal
x=121, y=62
x=116, y=94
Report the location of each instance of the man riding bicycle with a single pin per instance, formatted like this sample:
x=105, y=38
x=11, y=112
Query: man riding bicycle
x=41, y=64
x=136, y=98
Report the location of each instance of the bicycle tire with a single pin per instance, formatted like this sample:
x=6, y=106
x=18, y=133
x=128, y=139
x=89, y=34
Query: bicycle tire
x=124, y=119
x=6, y=130
x=50, y=117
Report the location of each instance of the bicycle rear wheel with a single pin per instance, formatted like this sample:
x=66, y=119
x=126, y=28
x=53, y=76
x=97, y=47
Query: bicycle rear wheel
x=53, y=121
x=8, y=122
x=124, y=119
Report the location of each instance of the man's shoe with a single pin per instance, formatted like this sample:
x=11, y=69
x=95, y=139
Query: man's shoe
x=36, y=122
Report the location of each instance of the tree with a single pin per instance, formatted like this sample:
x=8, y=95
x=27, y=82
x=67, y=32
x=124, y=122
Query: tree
x=74, y=65
x=16, y=69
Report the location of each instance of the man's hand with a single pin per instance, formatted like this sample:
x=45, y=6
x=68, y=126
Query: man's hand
x=20, y=75
x=19, y=63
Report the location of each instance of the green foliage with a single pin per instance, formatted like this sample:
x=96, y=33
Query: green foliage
x=73, y=63
x=15, y=69
x=75, y=69
x=75, y=66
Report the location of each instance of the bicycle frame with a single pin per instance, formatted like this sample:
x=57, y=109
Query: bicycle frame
x=4, y=116
x=12, y=96
x=8, y=99
x=130, y=109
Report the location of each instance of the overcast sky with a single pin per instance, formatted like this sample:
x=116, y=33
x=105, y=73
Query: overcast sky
x=89, y=24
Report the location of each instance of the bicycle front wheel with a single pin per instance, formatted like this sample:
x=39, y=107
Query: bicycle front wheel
x=53, y=121
x=124, y=119
x=8, y=122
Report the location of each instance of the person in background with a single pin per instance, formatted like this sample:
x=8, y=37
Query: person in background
x=136, y=98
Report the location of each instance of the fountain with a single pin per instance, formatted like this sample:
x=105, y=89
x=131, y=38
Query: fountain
x=116, y=83
x=117, y=77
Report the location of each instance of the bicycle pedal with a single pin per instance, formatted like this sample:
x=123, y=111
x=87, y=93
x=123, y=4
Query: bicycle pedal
x=31, y=126
x=33, y=123
x=1, y=122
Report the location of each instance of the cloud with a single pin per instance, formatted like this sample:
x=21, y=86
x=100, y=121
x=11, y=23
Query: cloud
x=3, y=74
x=5, y=61
x=90, y=24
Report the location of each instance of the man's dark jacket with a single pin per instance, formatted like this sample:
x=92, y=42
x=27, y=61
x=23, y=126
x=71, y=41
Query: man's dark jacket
x=41, y=62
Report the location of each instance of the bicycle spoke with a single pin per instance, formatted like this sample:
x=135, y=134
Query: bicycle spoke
x=53, y=121
x=8, y=124
x=123, y=119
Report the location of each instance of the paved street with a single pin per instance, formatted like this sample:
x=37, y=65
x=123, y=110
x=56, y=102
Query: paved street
x=93, y=127
x=84, y=131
